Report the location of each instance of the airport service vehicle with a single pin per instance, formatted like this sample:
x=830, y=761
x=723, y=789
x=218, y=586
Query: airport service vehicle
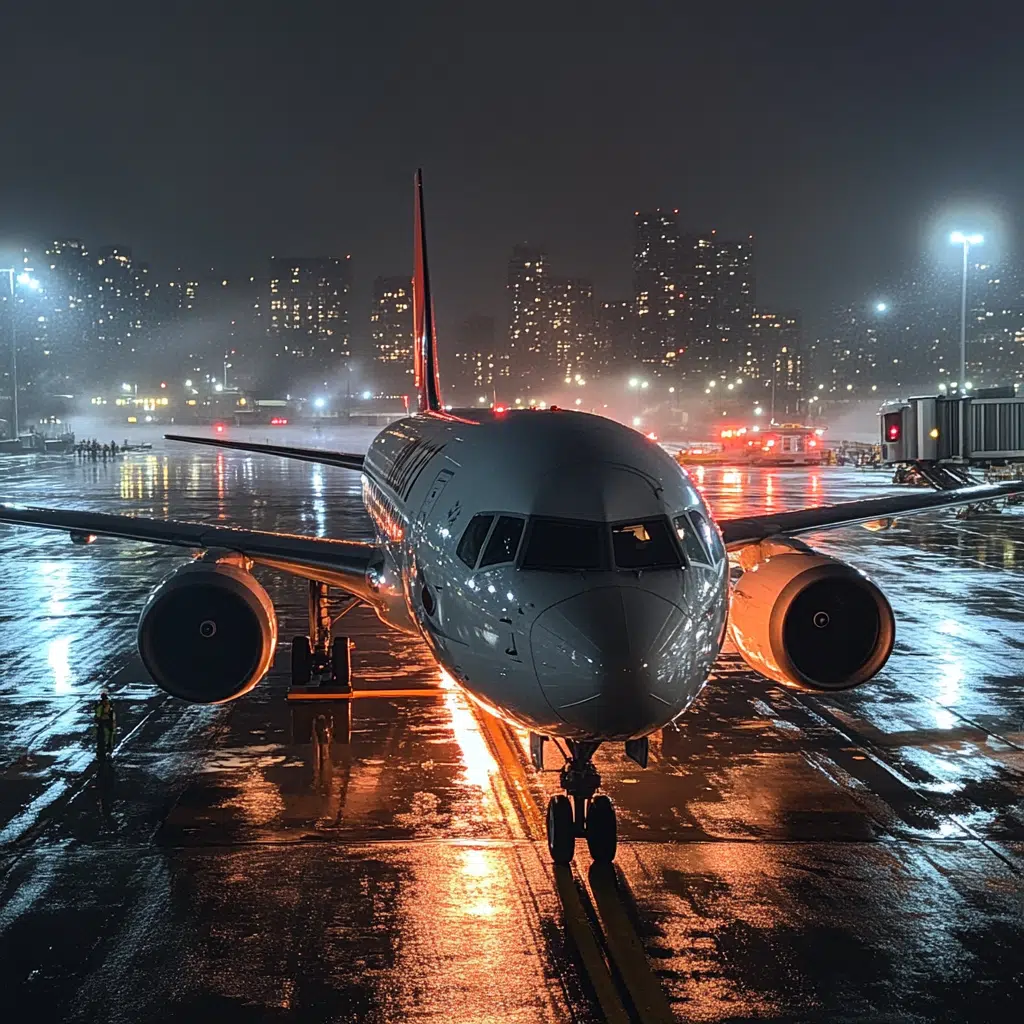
x=787, y=444
x=561, y=567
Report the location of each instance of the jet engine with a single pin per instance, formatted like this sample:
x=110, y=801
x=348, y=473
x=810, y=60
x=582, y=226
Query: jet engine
x=811, y=621
x=208, y=631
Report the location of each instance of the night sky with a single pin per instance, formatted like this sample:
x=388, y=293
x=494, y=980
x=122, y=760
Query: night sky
x=844, y=136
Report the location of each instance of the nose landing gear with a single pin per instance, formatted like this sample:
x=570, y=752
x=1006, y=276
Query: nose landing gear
x=581, y=814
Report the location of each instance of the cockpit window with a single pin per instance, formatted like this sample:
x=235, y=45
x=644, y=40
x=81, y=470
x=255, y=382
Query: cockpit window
x=504, y=541
x=709, y=535
x=565, y=544
x=692, y=544
x=644, y=545
x=473, y=539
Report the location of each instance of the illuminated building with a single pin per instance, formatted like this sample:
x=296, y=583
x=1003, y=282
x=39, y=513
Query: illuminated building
x=716, y=303
x=529, y=342
x=308, y=320
x=772, y=370
x=616, y=334
x=571, y=335
x=482, y=369
x=656, y=292
x=391, y=334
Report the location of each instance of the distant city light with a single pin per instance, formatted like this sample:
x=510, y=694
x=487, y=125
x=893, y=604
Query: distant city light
x=881, y=307
x=637, y=421
x=367, y=395
x=633, y=382
x=126, y=387
x=968, y=385
x=671, y=391
x=644, y=384
x=29, y=281
x=188, y=383
x=482, y=400
x=319, y=403
x=218, y=387
x=758, y=411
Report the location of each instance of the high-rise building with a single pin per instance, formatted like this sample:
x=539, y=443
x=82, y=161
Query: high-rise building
x=716, y=280
x=529, y=342
x=774, y=363
x=616, y=334
x=118, y=296
x=733, y=282
x=66, y=282
x=391, y=332
x=482, y=368
x=308, y=316
x=656, y=286
x=571, y=334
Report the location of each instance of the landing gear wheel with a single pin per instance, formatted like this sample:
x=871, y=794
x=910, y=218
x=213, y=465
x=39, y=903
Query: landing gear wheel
x=602, y=837
x=302, y=661
x=561, y=830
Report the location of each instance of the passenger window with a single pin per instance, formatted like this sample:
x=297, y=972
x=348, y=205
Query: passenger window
x=692, y=544
x=709, y=535
x=504, y=541
x=562, y=544
x=644, y=545
x=473, y=539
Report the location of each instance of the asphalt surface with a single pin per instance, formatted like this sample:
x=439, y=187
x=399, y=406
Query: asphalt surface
x=785, y=857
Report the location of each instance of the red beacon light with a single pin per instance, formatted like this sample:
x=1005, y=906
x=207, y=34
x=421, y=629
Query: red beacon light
x=219, y=427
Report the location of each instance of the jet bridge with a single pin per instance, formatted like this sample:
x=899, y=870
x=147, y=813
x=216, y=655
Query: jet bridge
x=946, y=434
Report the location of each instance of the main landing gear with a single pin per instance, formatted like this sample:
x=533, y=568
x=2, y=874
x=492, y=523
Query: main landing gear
x=316, y=658
x=581, y=814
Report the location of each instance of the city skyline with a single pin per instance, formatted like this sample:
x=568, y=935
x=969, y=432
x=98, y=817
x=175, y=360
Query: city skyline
x=791, y=141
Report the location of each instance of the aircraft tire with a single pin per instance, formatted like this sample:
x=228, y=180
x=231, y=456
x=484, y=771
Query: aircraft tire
x=561, y=830
x=302, y=661
x=602, y=834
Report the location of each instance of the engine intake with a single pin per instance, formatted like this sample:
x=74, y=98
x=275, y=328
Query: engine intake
x=811, y=621
x=208, y=632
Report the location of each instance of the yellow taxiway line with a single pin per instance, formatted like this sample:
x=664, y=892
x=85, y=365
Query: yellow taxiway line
x=625, y=951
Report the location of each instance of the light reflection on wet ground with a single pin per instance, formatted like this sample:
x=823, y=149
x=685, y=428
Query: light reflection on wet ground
x=790, y=857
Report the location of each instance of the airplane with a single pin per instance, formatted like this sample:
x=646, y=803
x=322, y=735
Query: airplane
x=561, y=567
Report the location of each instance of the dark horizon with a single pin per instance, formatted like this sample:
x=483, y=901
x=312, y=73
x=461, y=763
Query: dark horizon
x=845, y=142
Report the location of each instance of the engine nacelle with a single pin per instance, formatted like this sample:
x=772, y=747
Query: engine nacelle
x=811, y=621
x=208, y=631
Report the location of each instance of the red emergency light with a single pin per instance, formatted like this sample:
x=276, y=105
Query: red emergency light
x=219, y=428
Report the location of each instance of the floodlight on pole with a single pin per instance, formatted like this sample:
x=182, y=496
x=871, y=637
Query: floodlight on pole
x=965, y=240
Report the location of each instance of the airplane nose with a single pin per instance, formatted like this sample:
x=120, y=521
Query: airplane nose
x=613, y=662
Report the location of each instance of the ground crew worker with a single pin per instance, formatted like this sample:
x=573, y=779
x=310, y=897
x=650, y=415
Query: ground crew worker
x=106, y=722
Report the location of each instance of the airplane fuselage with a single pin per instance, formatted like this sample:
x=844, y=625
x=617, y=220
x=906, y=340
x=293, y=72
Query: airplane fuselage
x=560, y=566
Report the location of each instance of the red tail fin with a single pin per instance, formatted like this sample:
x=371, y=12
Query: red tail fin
x=428, y=382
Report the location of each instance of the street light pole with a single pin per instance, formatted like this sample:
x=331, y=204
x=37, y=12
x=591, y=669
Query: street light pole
x=14, y=355
x=959, y=238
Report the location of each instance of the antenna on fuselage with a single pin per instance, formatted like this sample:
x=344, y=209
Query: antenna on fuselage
x=428, y=381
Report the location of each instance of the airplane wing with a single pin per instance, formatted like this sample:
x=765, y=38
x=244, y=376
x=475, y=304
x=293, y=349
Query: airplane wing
x=324, y=458
x=343, y=563
x=751, y=529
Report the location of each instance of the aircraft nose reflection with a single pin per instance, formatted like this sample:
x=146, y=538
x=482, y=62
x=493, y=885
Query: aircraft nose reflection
x=613, y=661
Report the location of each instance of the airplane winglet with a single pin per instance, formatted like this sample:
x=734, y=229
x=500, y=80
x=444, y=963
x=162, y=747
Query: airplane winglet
x=428, y=382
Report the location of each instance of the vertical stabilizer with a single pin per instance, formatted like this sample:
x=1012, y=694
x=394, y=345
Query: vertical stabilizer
x=428, y=382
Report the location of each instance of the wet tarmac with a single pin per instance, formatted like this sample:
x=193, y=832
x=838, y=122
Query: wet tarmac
x=785, y=857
